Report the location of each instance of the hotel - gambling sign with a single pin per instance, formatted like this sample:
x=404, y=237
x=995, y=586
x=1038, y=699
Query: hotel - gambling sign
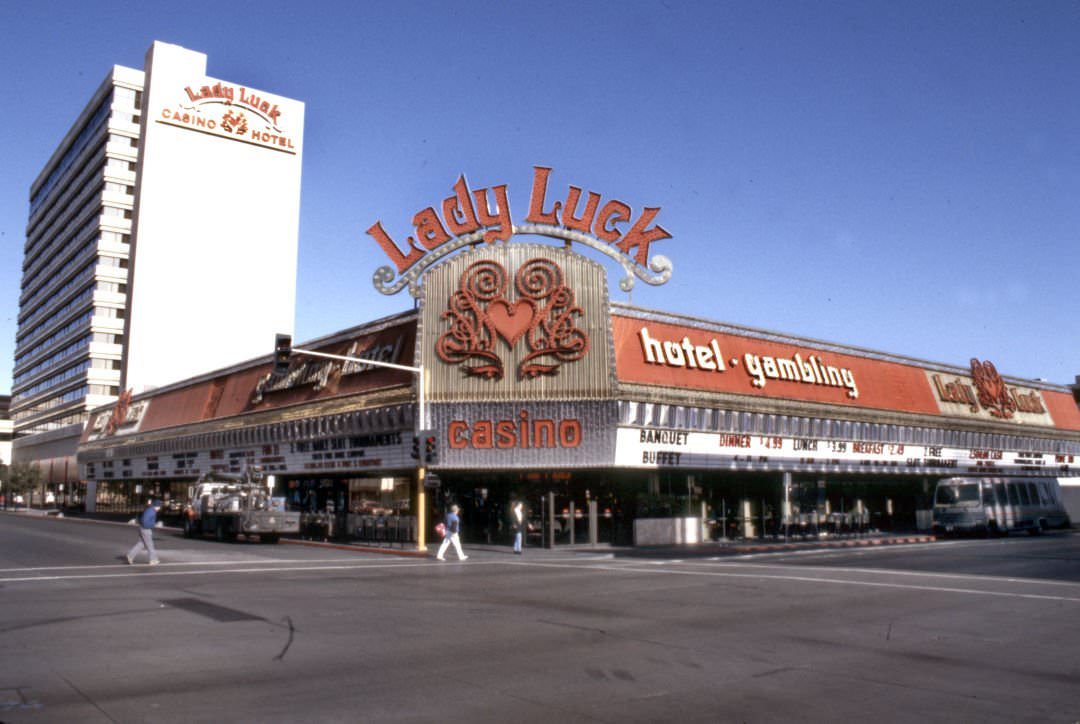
x=673, y=354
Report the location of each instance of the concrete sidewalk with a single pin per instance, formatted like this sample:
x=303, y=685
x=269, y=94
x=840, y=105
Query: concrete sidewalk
x=39, y=512
x=482, y=551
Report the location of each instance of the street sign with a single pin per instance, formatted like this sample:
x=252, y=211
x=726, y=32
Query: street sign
x=431, y=480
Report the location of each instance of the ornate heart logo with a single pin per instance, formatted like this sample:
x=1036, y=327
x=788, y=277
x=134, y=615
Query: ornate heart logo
x=545, y=315
x=511, y=321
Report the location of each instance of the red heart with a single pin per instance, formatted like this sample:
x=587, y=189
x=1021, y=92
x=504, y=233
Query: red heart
x=511, y=321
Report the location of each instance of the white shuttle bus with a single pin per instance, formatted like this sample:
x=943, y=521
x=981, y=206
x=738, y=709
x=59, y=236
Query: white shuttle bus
x=998, y=506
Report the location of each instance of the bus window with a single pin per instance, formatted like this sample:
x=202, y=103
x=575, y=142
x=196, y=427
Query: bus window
x=988, y=493
x=1022, y=489
x=957, y=494
x=1047, y=491
x=1002, y=498
x=1014, y=497
x=1033, y=492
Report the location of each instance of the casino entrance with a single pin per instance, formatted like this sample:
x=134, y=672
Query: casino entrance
x=579, y=508
x=743, y=505
x=562, y=507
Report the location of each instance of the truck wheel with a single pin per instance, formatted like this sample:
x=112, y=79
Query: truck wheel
x=219, y=533
x=269, y=538
x=189, y=529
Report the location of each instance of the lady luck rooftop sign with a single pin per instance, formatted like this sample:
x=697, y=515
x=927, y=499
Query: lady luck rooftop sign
x=471, y=216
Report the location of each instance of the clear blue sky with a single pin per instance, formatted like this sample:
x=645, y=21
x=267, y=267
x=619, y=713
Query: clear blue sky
x=903, y=176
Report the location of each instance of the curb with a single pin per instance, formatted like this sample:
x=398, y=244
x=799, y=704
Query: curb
x=354, y=548
x=820, y=545
x=737, y=549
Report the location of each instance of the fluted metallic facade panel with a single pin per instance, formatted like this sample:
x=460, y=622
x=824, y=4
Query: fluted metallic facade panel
x=517, y=322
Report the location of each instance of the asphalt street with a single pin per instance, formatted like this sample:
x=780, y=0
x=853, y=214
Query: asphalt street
x=970, y=630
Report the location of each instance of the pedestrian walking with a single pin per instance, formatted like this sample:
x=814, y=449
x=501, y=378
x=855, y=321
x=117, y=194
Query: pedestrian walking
x=517, y=519
x=146, y=533
x=453, y=529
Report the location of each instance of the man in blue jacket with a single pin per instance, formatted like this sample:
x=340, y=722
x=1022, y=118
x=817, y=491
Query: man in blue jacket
x=146, y=533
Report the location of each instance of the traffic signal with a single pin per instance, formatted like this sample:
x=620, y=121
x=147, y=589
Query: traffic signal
x=282, y=351
x=416, y=447
x=431, y=447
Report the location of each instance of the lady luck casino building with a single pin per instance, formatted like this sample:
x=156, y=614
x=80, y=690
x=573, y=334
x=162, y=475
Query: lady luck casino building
x=517, y=376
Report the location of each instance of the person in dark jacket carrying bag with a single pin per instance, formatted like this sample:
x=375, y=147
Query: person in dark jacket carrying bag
x=147, y=521
x=453, y=528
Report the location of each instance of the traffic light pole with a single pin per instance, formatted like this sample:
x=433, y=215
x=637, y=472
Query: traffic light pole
x=421, y=420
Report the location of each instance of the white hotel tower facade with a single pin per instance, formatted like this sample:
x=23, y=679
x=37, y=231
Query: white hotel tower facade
x=161, y=243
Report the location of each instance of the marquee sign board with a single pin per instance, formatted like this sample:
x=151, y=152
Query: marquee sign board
x=332, y=454
x=671, y=448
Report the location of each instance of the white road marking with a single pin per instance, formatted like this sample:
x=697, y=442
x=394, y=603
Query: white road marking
x=164, y=570
x=885, y=572
x=730, y=569
x=210, y=562
x=629, y=568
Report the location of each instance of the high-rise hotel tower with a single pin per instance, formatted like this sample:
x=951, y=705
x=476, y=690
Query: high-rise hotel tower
x=161, y=243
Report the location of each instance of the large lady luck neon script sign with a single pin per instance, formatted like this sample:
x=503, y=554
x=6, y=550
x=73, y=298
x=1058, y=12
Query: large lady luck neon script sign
x=472, y=216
